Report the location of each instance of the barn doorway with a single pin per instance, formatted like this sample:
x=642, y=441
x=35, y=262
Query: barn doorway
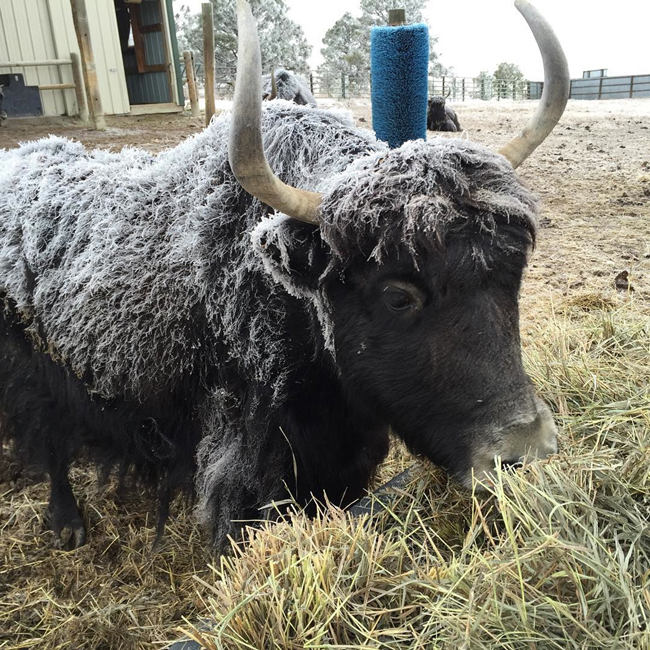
x=146, y=53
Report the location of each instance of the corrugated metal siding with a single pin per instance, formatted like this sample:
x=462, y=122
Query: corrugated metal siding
x=31, y=30
x=170, y=30
x=611, y=87
x=108, y=56
x=26, y=35
x=150, y=87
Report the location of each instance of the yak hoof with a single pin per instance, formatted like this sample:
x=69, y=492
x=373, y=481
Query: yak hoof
x=70, y=532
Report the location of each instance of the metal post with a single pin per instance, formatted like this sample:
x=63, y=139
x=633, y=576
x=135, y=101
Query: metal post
x=600, y=89
x=311, y=82
x=208, y=60
x=343, y=85
x=443, y=86
x=463, y=88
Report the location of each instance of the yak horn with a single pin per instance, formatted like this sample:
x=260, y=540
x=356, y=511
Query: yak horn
x=556, y=88
x=245, y=148
x=274, y=85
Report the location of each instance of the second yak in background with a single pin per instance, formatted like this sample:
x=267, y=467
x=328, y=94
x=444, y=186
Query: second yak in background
x=441, y=117
x=282, y=84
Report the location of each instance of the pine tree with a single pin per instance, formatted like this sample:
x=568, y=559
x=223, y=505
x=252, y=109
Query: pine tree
x=282, y=41
x=347, y=43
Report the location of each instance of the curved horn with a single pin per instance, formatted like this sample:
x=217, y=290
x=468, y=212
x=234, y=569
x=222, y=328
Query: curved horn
x=448, y=94
x=274, y=85
x=245, y=148
x=556, y=88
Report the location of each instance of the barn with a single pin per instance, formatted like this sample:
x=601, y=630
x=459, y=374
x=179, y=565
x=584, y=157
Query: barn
x=134, y=47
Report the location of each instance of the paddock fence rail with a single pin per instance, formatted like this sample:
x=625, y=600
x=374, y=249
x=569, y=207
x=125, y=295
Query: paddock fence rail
x=629, y=87
x=457, y=89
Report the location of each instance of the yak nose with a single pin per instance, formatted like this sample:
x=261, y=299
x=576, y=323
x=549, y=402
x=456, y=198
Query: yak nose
x=534, y=436
x=528, y=437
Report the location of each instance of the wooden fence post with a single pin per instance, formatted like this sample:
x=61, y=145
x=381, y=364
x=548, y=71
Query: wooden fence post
x=343, y=85
x=81, y=26
x=463, y=88
x=311, y=82
x=77, y=77
x=188, y=57
x=208, y=60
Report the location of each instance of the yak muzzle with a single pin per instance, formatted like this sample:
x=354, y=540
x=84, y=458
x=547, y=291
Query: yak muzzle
x=527, y=437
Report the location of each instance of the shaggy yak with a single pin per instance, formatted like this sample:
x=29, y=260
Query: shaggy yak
x=441, y=117
x=286, y=85
x=249, y=314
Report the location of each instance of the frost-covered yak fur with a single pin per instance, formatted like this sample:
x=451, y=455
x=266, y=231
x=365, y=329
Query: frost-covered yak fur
x=290, y=86
x=153, y=295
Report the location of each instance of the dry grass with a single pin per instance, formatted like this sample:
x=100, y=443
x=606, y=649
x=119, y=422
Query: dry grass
x=556, y=556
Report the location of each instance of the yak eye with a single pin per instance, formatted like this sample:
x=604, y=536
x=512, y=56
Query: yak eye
x=402, y=299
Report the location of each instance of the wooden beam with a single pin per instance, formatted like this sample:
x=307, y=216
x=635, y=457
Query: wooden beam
x=396, y=17
x=165, y=39
x=154, y=67
x=208, y=60
x=77, y=76
x=57, y=87
x=82, y=28
x=138, y=42
x=27, y=64
x=147, y=29
x=188, y=57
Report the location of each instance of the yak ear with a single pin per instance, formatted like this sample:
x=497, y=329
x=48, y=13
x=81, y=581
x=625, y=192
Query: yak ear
x=293, y=253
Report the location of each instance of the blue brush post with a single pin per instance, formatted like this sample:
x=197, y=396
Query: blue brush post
x=399, y=59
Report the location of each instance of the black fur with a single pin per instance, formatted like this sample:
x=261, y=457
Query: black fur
x=441, y=117
x=286, y=363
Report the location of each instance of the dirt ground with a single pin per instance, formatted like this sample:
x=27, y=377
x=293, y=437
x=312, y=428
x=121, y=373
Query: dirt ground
x=593, y=177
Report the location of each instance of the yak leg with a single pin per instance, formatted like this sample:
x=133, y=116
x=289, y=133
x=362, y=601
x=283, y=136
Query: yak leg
x=65, y=519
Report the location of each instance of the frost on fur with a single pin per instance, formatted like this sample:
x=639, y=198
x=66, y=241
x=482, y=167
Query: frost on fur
x=135, y=271
x=290, y=86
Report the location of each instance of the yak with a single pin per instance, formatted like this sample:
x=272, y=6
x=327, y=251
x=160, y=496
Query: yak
x=282, y=84
x=441, y=117
x=248, y=315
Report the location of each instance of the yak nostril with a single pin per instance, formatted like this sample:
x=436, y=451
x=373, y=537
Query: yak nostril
x=511, y=465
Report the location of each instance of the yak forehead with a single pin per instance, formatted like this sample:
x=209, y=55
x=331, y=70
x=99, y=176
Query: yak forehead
x=418, y=196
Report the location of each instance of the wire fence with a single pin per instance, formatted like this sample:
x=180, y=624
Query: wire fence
x=456, y=89
x=353, y=86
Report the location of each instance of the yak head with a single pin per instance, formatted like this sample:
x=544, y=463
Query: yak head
x=436, y=108
x=415, y=259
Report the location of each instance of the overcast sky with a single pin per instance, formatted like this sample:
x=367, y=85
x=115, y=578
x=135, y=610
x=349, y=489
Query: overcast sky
x=477, y=35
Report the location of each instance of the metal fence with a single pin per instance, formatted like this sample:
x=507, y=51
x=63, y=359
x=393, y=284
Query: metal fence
x=611, y=87
x=460, y=89
x=456, y=88
x=345, y=86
